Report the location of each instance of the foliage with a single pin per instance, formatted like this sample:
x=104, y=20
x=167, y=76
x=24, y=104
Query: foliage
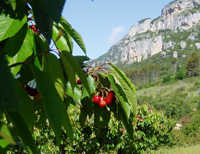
x=192, y=66
x=38, y=80
x=192, y=128
x=166, y=78
x=152, y=129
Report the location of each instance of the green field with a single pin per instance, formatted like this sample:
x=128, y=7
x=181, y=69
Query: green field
x=180, y=150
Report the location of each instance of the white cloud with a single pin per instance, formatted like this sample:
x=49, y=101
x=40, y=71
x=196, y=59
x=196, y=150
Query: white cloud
x=115, y=34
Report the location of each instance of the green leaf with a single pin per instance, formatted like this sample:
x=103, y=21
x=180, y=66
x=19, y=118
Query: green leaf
x=92, y=84
x=25, y=74
x=127, y=122
x=24, y=49
x=5, y=133
x=82, y=118
x=65, y=121
x=14, y=44
x=77, y=68
x=53, y=8
x=74, y=34
x=17, y=5
x=69, y=70
x=74, y=93
x=8, y=99
x=103, y=78
x=121, y=96
x=24, y=133
x=43, y=21
x=61, y=44
x=41, y=43
x=101, y=116
x=126, y=86
x=87, y=106
x=10, y=26
x=50, y=99
x=52, y=66
x=26, y=106
x=81, y=59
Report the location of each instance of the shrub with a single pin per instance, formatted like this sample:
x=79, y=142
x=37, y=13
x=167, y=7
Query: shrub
x=166, y=78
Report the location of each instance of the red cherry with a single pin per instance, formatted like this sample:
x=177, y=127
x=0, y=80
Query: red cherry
x=37, y=96
x=78, y=81
x=96, y=99
x=102, y=102
x=109, y=100
x=31, y=91
x=95, y=78
x=122, y=130
x=111, y=93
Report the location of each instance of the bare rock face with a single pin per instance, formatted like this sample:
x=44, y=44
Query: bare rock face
x=144, y=39
x=183, y=44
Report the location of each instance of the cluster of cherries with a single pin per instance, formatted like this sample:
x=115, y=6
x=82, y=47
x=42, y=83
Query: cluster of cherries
x=32, y=92
x=34, y=28
x=103, y=101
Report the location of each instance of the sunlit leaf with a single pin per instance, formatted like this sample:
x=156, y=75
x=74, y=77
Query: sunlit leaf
x=60, y=43
x=10, y=26
x=74, y=34
x=51, y=65
x=126, y=86
x=24, y=51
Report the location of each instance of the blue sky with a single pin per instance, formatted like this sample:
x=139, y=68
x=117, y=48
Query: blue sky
x=102, y=23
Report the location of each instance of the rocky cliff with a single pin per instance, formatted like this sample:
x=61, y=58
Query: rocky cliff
x=149, y=37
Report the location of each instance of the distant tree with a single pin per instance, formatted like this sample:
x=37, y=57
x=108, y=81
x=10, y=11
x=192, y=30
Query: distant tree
x=144, y=71
x=174, y=62
x=192, y=66
x=153, y=69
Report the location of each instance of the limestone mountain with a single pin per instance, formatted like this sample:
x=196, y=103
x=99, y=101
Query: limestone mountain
x=161, y=35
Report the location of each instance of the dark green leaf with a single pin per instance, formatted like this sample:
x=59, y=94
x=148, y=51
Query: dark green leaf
x=65, y=121
x=74, y=34
x=81, y=59
x=24, y=133
x=17, y=5
x=92, y=84
x=82, y=118
x=25, y=74
x=26, y=106
x=43, y=21
x=87, y=105
x=53, y=8
x=50, y=99
x=103, y=78
x=101, y=116
x=8, y=99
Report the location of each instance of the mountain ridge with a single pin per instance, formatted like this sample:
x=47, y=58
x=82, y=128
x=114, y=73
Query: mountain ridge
x=149, y=37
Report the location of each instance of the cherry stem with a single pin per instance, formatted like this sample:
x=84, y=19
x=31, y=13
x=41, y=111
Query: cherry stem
x=94, y=62
x=103, y=65
x=30, y=58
